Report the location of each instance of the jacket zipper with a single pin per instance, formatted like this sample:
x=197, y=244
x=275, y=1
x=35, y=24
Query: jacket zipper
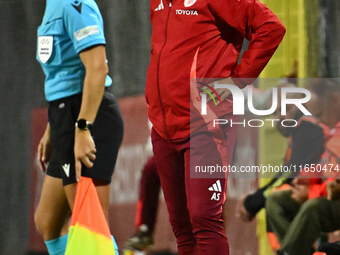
x=158, y=67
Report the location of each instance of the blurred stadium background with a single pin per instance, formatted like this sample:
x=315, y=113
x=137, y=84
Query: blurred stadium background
x=313, y=30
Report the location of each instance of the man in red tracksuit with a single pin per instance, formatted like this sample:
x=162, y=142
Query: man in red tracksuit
x=200, y=39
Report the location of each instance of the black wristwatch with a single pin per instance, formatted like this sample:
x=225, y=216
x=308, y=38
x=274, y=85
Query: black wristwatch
x=83, y=124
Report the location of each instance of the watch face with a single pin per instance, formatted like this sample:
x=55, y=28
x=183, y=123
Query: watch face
x=82, y=124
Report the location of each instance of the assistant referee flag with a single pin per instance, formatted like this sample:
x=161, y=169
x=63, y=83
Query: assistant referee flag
x=89, y=232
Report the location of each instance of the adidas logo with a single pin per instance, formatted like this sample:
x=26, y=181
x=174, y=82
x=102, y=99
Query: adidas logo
x=217, y=189
x=160, y=6
x=66, y=168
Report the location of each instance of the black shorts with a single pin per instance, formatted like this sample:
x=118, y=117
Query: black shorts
x=107, y=133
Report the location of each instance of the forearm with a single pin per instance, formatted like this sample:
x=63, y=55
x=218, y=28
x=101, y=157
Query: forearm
x=84, y=146
x=94, y=85
x=48, y=129
x=94, y=60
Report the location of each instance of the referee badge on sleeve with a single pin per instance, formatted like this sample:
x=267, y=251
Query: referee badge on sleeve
x=45, y=46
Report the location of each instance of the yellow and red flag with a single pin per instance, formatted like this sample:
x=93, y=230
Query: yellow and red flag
x=89, y=231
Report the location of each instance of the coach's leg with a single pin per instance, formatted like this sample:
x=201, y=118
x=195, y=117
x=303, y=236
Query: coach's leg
x=52, y=215
x=206, y=197
x=170, y=167
x=206, y=193
x=206, y=209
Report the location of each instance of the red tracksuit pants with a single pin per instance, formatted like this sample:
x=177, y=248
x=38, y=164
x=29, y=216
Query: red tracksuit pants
x=195, y=209
x=148, y=196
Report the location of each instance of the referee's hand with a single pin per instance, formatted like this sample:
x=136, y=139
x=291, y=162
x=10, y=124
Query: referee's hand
x=84, y=150
x=45, y=149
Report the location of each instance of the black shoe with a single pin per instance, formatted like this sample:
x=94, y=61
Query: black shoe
x=141, y=239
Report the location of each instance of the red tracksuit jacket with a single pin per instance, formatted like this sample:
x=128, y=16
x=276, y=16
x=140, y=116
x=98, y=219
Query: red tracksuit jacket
x=216, y=30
